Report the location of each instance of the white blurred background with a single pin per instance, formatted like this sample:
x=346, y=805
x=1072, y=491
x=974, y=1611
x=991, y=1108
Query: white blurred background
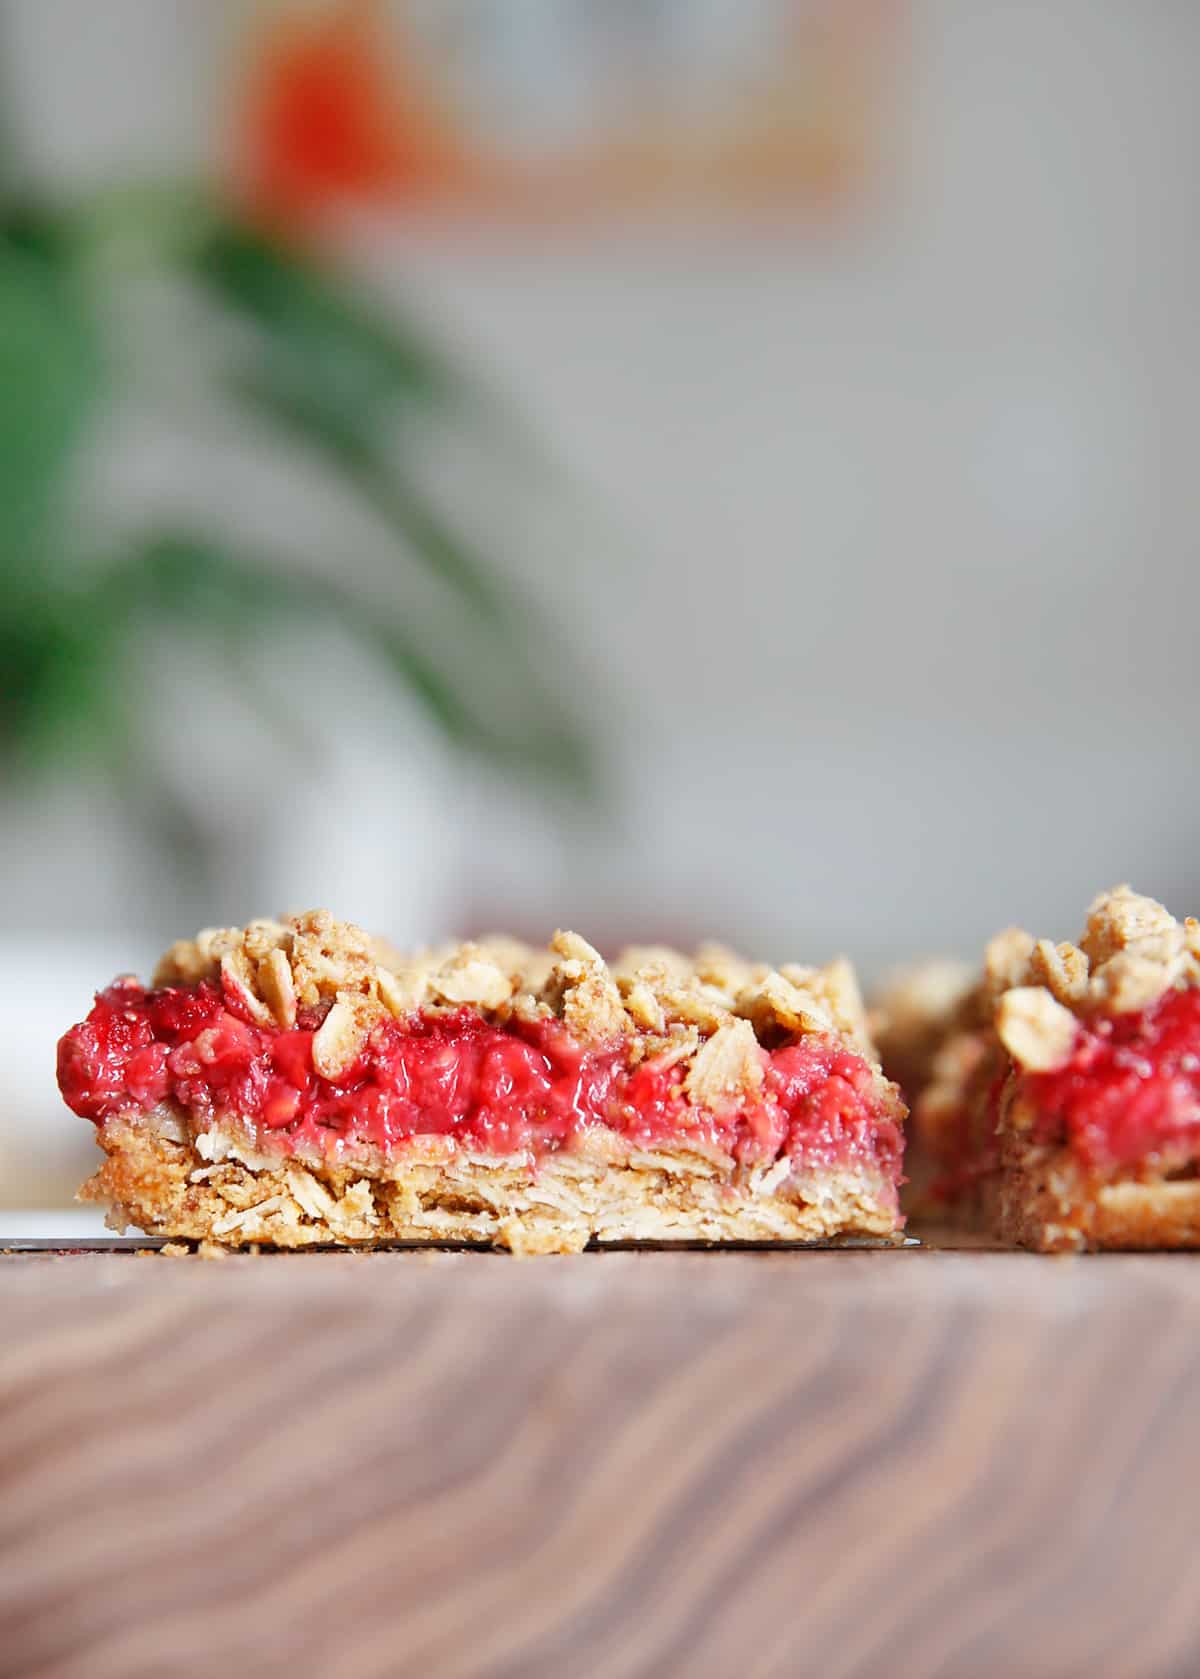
x=871, y=532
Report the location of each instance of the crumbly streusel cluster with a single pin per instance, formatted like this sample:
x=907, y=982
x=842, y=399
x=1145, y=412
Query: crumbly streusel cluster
x=1132, y=952
x=714, y=1010
x=1035, y=993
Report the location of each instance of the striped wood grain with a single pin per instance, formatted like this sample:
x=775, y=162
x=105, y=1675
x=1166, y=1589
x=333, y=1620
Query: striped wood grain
x=756, y=1465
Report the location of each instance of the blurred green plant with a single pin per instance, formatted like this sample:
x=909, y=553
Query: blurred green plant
x=322, y=368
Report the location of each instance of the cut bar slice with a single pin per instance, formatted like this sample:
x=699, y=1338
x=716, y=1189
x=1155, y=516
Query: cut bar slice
x=1064, y=1105
x=299, y=1082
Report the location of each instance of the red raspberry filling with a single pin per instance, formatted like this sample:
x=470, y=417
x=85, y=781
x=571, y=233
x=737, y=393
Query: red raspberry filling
x=520, y=1087
x=1131, y=1090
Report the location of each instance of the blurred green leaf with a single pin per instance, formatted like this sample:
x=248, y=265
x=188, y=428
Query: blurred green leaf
x=546, y=741
x=37, y=230
x=514, y=632
x=50, y=372
x=334, y=372
x=538, y=734
x=335, y=337
x=312, y=418
x=58, y=696
x=195, y=580
x=141, y=226
x=324, y=367
x=516, y=636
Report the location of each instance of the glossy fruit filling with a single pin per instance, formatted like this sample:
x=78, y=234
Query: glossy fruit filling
x=525, y=1087
x=1131, y=1090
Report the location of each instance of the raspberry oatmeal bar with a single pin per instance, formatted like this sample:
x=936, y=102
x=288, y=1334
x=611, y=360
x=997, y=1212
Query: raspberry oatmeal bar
x=914, y=1012
x=1063, y=1106
x=300, y=1082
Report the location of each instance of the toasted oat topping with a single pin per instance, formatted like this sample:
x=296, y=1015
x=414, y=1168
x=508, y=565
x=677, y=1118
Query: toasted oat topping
x=1122, y=920
x=729, y=1064
x=1034, y=1029
x=1006, y=960
x=470, y=975
x=915, y=1011
x=1062, y=969
x=1035, y=992
x=921, y=1000
x=1132, y=951
x=714, y=1011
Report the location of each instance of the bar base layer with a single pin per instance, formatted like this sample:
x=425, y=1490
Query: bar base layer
x=212, y=1186
x=1041, y=1197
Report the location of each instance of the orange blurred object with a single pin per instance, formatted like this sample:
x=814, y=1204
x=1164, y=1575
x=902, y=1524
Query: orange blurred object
x=329, y=112
x=351, y=101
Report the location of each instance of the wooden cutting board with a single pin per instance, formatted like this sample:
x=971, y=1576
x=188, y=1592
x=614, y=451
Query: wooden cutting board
x=741, y=1465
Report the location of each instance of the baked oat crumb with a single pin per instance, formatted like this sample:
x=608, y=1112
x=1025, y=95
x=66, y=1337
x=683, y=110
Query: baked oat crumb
x=340, y=1038
x=1128, y=982
x=1006, y=960
x=1132, y=951
x=471, y=976
x=189, y=1250
x=1121, y=918
x=1062, y=969
x=1037, y=1031
x=584, y=990
x=728, y=1067
x=277, y=988
x=641, y=1004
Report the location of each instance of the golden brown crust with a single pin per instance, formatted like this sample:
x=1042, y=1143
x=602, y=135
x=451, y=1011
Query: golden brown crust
x=167, y=1180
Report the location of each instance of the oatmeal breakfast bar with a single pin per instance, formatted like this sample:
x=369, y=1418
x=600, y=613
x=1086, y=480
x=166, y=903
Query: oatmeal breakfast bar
x=913, y=1013
x=1063, y=1105
x=300, y=1082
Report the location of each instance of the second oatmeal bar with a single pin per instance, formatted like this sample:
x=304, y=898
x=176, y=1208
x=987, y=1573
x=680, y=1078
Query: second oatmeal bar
x=1062, y=1107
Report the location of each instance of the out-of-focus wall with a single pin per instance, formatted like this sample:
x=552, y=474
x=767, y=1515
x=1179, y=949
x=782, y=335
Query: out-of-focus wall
x=885, y=528
x=905, y=619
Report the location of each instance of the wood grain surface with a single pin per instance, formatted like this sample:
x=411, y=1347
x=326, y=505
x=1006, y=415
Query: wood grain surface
x=751, y=1465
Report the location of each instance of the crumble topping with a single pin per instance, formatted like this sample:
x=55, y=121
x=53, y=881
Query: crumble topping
x=471, y=976
x=914, y=1011
x=582, y=992
x=1062, y=969
x=339, y=1040
x=1006, y=961
x=1122, y=920
x=716, y=1009
x=1036, y=993
x=1132, y=952
x=1034, y=1029
x=728, y=1064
